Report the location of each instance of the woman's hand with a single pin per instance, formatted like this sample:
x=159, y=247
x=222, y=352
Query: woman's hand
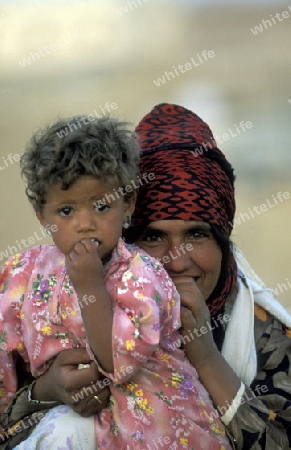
x=196, y=322
x=67, y=384
x=214, y=372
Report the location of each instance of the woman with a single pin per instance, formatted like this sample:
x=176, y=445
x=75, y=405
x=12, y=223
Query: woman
x=240, y=341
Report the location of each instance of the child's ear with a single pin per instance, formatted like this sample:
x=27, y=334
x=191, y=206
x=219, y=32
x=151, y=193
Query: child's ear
x=129, y=205
x=41, y=218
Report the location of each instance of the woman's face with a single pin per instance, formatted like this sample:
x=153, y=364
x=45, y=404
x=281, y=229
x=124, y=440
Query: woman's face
x=186, y=248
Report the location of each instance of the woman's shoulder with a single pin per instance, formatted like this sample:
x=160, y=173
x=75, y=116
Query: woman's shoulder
x=270, y=330
x=252, y=290
x=270, y=319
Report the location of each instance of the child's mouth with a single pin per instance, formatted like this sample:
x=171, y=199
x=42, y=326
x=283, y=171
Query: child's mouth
x=95, y=240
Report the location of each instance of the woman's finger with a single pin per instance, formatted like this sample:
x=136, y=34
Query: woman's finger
x=75, y=356
x=90, y=400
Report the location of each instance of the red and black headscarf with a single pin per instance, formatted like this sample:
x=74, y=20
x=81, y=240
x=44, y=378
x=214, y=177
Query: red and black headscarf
x=193, y=180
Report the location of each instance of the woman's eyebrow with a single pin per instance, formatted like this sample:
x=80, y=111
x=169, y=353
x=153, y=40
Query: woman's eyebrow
x=153, y=230
x=190, y=226
x=199, y=226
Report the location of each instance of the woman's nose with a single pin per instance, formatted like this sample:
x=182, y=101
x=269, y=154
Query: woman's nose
x=177, y=259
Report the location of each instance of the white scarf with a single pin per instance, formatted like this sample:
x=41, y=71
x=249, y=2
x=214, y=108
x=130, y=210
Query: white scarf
x=239, y=348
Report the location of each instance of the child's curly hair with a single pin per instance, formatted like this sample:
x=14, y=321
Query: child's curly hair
x=103, y=148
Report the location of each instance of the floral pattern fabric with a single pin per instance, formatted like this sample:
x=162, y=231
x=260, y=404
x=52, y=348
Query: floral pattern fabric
x=263, y=420
x=156, y=394
x=49, y=433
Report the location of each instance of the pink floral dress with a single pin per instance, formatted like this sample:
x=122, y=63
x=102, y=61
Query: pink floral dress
x=157, y=399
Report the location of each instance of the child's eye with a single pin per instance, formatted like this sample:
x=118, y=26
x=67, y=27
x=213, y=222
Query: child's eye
x=66, y=211
x=100, y=206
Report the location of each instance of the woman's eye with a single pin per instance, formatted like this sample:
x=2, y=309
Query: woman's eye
x=195, y=234
x=65, y=211
x=99, y=206
x=152, y=237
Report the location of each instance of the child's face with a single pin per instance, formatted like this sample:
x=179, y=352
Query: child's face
x=86, y=210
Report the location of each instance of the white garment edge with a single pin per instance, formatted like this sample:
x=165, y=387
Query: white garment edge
x=263, y=296
x=68, y=426
x=239, y=348
x=230, y=413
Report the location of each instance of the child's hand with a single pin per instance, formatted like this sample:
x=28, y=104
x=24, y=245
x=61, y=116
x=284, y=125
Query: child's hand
x=85, y=269
x=84, y=266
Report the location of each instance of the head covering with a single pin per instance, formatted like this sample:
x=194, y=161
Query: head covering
x=179, y=148
x=193, y=180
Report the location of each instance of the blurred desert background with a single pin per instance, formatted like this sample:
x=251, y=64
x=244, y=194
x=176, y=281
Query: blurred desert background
x=65, y=57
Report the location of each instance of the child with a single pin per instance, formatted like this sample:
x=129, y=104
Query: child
x=91, y=289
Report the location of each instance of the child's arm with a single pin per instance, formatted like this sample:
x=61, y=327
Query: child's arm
x=85, y=270
x=146, y=310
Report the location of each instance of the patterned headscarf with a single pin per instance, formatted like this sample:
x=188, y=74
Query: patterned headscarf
x=193, y=180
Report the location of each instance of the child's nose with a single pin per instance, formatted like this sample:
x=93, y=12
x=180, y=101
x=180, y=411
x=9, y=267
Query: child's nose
x=85, y=221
